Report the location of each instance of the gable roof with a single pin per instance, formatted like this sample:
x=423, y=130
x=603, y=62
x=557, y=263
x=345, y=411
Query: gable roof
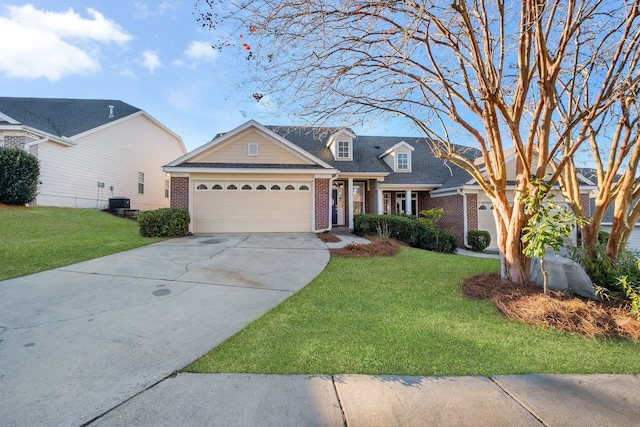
x=62, y=117
x=426, y=168
x=221, y=138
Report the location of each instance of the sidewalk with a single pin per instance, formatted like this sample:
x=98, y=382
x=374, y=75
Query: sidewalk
x=346, y=237
x=361, y=400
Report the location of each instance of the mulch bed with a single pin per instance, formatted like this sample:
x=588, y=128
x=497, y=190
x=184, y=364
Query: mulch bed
x=377, y=247
x=558, y=310
x=327, y=237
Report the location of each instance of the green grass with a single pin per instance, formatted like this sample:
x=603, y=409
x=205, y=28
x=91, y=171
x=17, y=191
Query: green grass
x=40, y=238
x=406, y=315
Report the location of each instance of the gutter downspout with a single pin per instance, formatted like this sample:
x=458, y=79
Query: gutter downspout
x=464, y=216
x=28, y=145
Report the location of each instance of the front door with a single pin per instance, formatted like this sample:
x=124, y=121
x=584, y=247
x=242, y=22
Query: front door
x=401, y=203
x=338, y=204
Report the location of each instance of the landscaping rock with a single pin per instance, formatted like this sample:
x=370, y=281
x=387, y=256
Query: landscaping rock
x=563, y=275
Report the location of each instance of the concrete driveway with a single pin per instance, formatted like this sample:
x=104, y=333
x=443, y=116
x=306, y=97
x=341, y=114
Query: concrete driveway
x=77, y=341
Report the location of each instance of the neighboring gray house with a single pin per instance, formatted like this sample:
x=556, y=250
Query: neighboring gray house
x=91, y=150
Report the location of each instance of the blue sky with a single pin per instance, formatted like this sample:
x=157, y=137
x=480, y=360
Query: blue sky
x=152, y=54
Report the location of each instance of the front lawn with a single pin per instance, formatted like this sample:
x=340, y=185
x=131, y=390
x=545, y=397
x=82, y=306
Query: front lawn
x=406, y=315
x=41, y=238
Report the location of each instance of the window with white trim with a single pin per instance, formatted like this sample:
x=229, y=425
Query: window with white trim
x=403, y=162
x=252, y=149
x=140, y=182
x=386, y=203
x=167, y=187
x=344, y=150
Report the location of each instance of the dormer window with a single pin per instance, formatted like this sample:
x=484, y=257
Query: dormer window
x=398, y=157
x=344, y=150
x=341, y=145
x=403, y=162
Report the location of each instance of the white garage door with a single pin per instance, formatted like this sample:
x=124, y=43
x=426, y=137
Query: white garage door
x=487, y=222
x=252, y=206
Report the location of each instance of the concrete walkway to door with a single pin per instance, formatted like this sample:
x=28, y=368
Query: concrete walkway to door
x=77, y=341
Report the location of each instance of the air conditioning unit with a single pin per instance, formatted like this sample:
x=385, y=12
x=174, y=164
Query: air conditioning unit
x=119, y=203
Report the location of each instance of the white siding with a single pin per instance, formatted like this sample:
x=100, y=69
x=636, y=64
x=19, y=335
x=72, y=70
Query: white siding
x=390, y=160
x=634, y=238
x=113, y=155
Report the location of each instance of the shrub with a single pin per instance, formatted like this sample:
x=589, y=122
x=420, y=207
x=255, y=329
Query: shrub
x=479, y=240
x=19, y=172
x=399, y=227
x=431, y=216
x=603, y=237
x=407, y=229
x=165, y=222
x=437, y=240
x=604, y=272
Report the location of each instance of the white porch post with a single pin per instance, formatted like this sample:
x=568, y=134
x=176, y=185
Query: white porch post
x=350, y=204
x=380, y=200
x=407, y=203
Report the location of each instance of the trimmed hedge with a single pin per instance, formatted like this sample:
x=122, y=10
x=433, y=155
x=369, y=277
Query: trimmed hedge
x=165, y=222
x=407, y=229
x=479, y=240
x=19, y=173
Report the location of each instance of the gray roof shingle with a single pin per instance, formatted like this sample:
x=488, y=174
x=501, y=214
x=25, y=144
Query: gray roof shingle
x=426, y=167
x=64, y=117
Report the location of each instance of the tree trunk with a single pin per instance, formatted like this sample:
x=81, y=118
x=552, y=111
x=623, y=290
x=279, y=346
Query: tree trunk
x=514, y=264
x=590, y=239
x=545, y=276
x=618, y=228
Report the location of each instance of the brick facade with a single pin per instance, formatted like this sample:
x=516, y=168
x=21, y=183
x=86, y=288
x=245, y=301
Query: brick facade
x=16, y=141
x=180, y=192
x=322, y=195
x=586, y=206
x=453, y=218
x=472, y=212
x=370, y=197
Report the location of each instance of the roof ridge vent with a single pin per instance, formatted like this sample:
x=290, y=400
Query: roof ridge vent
x=111, y=107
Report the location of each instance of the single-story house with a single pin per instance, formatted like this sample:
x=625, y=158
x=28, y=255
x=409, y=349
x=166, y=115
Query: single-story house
x=259, y=178
x=91, y=150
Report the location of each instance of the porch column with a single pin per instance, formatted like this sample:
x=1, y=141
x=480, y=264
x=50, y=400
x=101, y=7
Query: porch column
x=350, y=203
x=380, y=200
x=407, y=203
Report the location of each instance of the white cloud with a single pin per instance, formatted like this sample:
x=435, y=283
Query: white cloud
x=144, y=11
x=54, y=44
x=151, y=60
x=128, y=72
x=198, y=51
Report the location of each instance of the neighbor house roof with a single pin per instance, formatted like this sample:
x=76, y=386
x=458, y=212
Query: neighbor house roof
x=63, y=117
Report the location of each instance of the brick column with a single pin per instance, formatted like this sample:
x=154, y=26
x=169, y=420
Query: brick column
x=322, y=195
x=180, y=192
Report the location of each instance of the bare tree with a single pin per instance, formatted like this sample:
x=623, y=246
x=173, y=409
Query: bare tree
x=489, y=73
x=614, y=142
